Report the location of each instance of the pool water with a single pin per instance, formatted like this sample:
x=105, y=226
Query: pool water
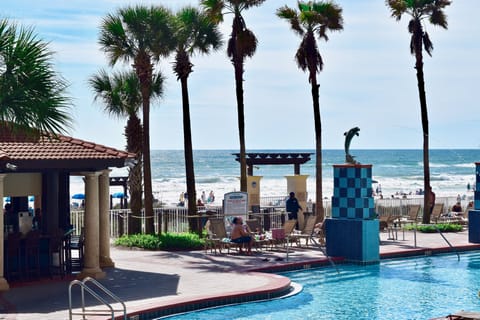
x=410, y=288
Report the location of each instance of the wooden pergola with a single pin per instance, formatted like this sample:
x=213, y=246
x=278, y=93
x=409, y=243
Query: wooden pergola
x=256, y=159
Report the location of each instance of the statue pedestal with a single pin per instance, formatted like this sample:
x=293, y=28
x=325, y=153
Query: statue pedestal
x=352, y=232
x=474, y=226
x=356, y=240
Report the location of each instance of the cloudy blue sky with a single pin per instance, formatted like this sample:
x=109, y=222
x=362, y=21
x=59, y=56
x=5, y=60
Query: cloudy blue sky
x=368, y=80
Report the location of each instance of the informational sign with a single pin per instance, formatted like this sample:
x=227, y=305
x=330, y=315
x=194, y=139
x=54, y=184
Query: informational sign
x=235, y=204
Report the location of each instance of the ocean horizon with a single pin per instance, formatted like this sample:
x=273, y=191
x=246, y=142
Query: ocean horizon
x=397, y=171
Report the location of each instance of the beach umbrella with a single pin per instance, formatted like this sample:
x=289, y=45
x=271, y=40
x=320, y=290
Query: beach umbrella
x=78, y=196
x=118, y=195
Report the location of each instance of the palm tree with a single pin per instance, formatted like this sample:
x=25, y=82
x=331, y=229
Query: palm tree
x=419, y=10
x=33, y=96
x=241, y=44
x=122, y=98
x=141, y=35
x=194, y=32
x=313, y=18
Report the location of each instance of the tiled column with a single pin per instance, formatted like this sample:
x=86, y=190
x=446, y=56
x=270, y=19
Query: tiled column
x=474, y=215
x=104, y=206
x=352, y=232
x=92, y=231
x=3, y=282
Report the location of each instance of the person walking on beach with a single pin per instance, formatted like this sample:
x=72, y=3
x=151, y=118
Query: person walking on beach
x=292, y=207
x=211, y=197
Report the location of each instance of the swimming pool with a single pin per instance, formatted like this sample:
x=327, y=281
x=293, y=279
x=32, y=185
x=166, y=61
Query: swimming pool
x=409, y=288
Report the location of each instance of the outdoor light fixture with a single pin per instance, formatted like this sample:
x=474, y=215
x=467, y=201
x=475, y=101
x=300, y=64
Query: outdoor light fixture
x=129, y=162
x=11, y=166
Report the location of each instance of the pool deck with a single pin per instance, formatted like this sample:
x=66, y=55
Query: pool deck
x=160, y=281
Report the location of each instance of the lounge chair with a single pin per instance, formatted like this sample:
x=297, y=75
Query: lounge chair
x=460, y=218
x=437, y=212
x=412, y=215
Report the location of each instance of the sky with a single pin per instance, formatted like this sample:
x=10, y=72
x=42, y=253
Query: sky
x=368, y=79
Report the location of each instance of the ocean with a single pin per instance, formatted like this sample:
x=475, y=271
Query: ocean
x=396, y=172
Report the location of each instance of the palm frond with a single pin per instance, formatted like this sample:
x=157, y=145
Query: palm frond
x=33, y=95
x=427, y=44
x=292, y=17
x=213, y=9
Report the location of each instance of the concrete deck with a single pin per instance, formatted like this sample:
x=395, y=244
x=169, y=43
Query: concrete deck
x=147, y=280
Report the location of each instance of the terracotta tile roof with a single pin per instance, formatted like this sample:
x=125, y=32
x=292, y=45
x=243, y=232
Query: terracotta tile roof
x=60, y=149
x=20, y=147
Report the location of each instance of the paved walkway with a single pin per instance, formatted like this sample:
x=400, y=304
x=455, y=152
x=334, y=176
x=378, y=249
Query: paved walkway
x=146, y=279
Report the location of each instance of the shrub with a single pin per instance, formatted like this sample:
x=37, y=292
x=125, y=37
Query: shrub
x=431, y=228
x=165, y=241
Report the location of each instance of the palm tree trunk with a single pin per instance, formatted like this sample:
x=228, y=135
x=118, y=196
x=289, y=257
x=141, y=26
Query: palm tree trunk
x=147, y=169
x=189, y=164
x=135, y=187
x=426, y=157
x=238, y=66
x=133, y=132
x=318, y=148
x=144, y=70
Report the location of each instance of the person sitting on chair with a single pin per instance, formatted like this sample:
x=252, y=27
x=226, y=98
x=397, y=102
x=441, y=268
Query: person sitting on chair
x=457, y=208
x=240, y=235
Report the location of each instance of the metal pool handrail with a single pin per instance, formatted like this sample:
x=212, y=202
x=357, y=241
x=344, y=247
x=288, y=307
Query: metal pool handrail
x=94, y=294
x=449, y=244
x=324, y=252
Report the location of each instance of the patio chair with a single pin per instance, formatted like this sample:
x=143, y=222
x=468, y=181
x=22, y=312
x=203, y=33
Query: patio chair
x=56, y=247
x=32, y=254
x=12, y=256
x=386, y=221
x=76, y=251
x=308, y=230
x=216, y=234
x=411, y=216
x=254, y=226
x=285, y=234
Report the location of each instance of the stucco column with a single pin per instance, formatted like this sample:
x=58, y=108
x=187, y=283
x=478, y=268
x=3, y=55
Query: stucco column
x=3, y=282
x=253, y=190
x=298, y=184
x=104, y=206
x=92, y=229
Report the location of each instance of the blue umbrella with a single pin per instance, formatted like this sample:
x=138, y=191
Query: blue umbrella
x=78, y=196
x=118, y=195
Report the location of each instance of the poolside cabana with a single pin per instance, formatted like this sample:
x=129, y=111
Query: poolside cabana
x=41, y=167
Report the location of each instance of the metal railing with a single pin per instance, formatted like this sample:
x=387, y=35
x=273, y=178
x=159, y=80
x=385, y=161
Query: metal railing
x=110, y=311
x=175, y=219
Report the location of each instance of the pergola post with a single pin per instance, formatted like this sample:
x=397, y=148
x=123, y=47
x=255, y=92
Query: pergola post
x=92, y=228
x=3, y=282
x=104, y=199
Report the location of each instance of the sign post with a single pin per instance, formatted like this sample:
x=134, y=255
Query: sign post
x=235, y=204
